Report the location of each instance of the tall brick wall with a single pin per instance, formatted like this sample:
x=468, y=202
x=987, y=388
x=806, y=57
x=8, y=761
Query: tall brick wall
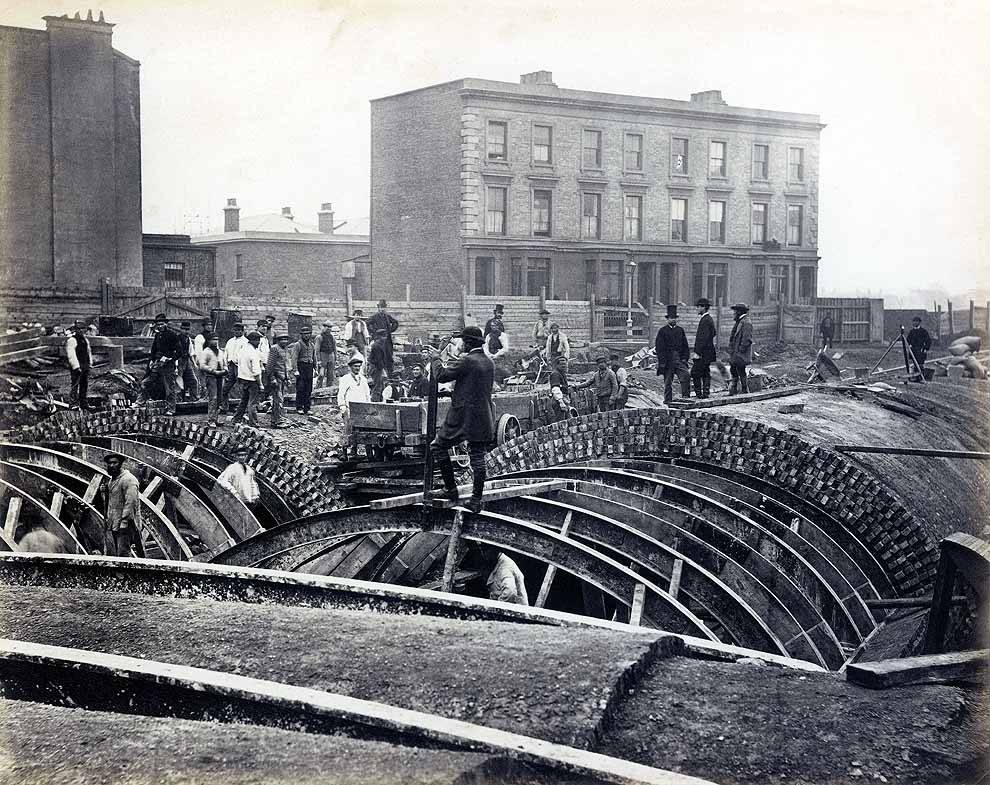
x=48, y=304
x=851, y=496
x=127, y=169
x=199, y=263
x=416, y=194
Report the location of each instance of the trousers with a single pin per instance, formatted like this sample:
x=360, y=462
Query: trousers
x=701, y=376
x=80, y=385
x=251, y=392
x=738, y=371
x=276, y=388
x=668, y=382
x=304, y=387
x=164, y=374
x=476, y=450
x=213, y=386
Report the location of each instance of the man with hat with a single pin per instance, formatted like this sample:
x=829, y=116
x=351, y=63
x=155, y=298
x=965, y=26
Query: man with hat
x=920, y=342
x=166, y=350
x=605, y=384
x=213, y=367
x=353, y=387
x=326, y=352
x=496, y=317
x=278, y=377
x=470, y=417
x=80, y=356
x=199, y=341
x=672, y=356
x=740, y=348
x=557, y=345
x=230, y=351
x=249, y=376
x=419, y=387
x=542, y=328
x=622, y=380
x=187, y=363
x=123, y=513
x=239, y=479
x=559, y=390
x=302, y=360
x=356, y=332
x=704, y=351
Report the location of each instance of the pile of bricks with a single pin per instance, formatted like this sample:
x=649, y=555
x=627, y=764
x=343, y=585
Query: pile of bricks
x=844, y=492
x=302, y=486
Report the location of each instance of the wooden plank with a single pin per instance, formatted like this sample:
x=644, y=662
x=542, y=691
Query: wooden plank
x=452, y=545
x=153, y=486
x=924, y=452
x=187, y=453
x=551, y=572
x=638, y=601
x=55, y=508
x=675, y=577
x=13, y=515
x=489, y=495
x=92, y=488
x=910, y=602
x=23, y=354
x=711, y=403
x=926, y=669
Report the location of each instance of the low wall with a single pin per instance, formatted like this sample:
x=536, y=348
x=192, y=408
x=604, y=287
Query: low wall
x=521, y=313
x=48, y=305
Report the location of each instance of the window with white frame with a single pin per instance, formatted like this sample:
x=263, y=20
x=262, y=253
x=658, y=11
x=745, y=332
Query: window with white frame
x=758, y=225
x=498, y=137
x=759, y=284
x=679, y=155
x=542, y=144
x=716, y=159
x=718, y=282
x=591, y=149
x=761, y=162
x=591, y=215
x=795, y=224
x=613, y=282
x=633, y=229
x=716, y=222
x=795, y=164
x=779, y=281
x=542, y=209
x=678, y=220
x=495, y=210
x=633, y=153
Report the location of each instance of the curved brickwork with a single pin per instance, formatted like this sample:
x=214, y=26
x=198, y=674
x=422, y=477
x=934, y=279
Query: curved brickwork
x=824, y=478
x=303, y=486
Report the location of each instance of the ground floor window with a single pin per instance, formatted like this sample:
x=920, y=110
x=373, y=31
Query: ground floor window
x=484, y=275
x=718, y=283
x=779, y=283
x=529, y=276
x=667, y=292
x=697, y=280
x=759, y=284
x=175, y=275
x=613, y=282
x=590, y=278
x=806, y=283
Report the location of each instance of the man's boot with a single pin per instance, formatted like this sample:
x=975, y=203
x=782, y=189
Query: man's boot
x=734, y=387
x=475, y=503
x=447, y=472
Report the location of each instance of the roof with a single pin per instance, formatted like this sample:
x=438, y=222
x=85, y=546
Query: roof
x=275, y=222
x=275, y=226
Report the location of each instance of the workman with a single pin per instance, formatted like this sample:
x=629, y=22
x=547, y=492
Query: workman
x=505, y=582
x=827, y=330
x=419, y=387
x=704, y=353
x=379, y=368
x=80, y=355
x=356, y=332
x=239, y=479
x=920, y=342
x=497, y=342
x=557, y=344
x=605, y=384
x=498, y=312
x=123, y=513
x=470, y=417
x=740, y=348
x=541, y=330
x=166, y=350
x=383, y=320
x=249, y=375
x=186, y=370
x=302, y=360
x=213, y=369
x=621, y=379
x=278, y=378
x=230, y=351
x=672, y=356
x=326, y=352
x=353, y=387
x=559, y=390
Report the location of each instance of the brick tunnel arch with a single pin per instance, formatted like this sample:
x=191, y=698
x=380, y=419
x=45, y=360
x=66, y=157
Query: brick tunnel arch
x=776, y=459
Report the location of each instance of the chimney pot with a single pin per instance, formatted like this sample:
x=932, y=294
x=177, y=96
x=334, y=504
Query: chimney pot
x=231, y=216
x=287, y=213
x=324, y=218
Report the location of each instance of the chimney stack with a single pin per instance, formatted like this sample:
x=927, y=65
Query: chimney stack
x=325, y=218
x=538, y=77
x=232, y=216
x=287, y=213
x=708, y=97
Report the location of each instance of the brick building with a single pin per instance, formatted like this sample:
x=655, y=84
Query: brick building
x=171, y=261
x=70, y=156
x=507, y=188
x=276, y=254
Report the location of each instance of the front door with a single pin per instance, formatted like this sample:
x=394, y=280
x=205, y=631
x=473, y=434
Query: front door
x=646, y=284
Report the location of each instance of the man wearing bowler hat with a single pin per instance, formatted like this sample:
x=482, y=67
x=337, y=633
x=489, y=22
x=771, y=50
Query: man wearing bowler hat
x=123, y=513
x=704, y=351
x=672, y=356
x=470, y=417
x=740, y=348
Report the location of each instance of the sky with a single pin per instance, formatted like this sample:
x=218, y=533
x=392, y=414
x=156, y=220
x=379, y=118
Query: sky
x=268, y=103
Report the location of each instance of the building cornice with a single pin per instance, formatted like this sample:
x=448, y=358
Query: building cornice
x=619, y=246
x=281, y=237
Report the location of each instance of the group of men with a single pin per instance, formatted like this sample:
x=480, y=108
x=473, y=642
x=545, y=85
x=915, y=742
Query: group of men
x=673, y=353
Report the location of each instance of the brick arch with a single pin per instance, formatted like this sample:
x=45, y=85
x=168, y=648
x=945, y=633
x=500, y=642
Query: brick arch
x=302, y=485
x=847, y=493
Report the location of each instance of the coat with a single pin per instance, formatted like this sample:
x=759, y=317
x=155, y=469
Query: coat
x=672, y=348
x=704, y=339
x=919, y=340
x=471, y=417
x=123, y=501
x=741, y=342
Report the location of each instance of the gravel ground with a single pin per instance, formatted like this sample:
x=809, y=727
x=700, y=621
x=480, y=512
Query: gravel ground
x=742, y=723
x=51, y=745
x=548, y=682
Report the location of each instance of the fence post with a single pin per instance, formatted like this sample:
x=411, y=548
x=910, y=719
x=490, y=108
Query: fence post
x=464, y=306
x=106, y=297
x=986, y=315
x=952, y=326
x=780, y=320
x=408, y=295
x=591, y=327
x=972, y=315
x=543, y=297
x=349, y=301
x=938, y=322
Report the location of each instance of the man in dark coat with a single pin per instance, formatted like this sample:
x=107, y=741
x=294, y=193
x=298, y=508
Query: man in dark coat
x=740, y=348
x=827, y=330
x=419, y=387
x=672, y=356
x=470, y=417
x=166, y=350
x=704, y=351
x=499, y=312
x=383, y=320
x=920, y=341
x=379, y=364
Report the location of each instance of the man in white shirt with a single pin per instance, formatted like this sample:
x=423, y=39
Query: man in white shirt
x=213, y=368
x=353, y=387
x=505, y=581
x=205, y=328
x=249, y=377
x=497, y=341
x=356, y=332
x=238, y=478
x=80, y=356
x=231, y=350
x=557, y=345
x=622, y=377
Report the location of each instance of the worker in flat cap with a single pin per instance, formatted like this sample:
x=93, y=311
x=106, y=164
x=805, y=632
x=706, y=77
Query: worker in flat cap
x=499, y=312
x=605, y=384
x=278, y=378
x=353, y=387
x=542, y=328
x=356, y=334
x=302, y=361
x=166, y=351
x=239, y=478
x=123, y=512
x=186, y=371
x=470, y=418
x=231, y=350
x=704, y=350
x=672, y=356
x=249, y=377
x=326, y=355
x=740, y=348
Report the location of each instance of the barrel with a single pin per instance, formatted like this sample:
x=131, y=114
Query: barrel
x=224, y=320
x=298, y=320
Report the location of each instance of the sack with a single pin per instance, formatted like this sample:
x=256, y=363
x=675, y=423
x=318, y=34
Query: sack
x=965, y=345
x=974, y=368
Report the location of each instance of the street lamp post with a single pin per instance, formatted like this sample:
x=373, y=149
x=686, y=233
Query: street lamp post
x=629, y=332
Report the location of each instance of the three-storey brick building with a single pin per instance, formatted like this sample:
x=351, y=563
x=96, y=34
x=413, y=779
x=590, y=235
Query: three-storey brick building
x=508, y=188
